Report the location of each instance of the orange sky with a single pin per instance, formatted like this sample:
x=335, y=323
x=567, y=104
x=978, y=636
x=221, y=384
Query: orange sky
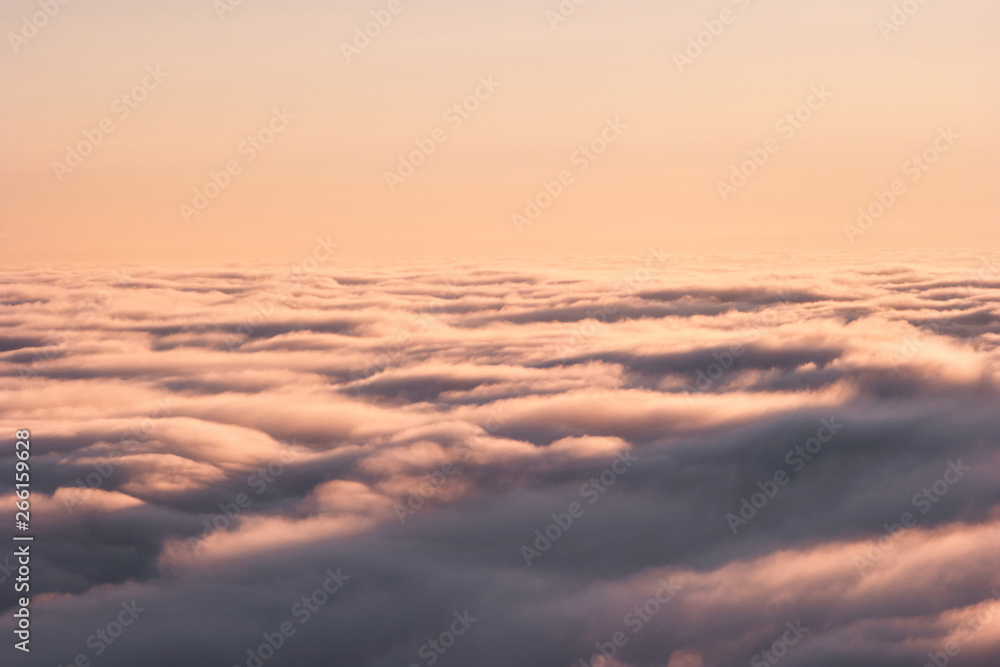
x=197, y=86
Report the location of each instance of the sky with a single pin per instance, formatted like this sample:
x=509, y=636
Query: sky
x=554, y=333
x=669, y=122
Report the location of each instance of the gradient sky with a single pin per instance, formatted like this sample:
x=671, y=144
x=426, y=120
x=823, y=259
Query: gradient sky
x=324, y=174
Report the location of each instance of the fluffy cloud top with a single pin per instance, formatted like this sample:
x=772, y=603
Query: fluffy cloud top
x=671, y=459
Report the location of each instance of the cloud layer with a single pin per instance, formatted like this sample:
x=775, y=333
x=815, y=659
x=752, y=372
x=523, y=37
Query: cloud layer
x=673, y=459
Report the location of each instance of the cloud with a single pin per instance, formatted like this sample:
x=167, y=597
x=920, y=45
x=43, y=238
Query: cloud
x=212, y=452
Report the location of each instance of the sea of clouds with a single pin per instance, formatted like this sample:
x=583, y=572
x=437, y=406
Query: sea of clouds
x=668, y=460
